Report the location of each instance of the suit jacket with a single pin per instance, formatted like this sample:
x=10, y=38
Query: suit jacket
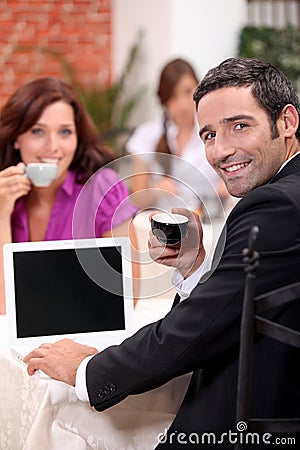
x=201, y=334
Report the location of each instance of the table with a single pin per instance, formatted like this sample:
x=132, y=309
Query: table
x=44, y=414
x=37, y=413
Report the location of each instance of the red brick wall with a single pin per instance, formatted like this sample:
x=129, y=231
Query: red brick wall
x=36, y=34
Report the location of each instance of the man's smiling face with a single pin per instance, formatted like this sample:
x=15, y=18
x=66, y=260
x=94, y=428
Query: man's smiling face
x=237, y=136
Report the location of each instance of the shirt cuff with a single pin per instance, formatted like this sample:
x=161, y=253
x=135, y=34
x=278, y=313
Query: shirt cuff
x=184, y=286
x=80, y=382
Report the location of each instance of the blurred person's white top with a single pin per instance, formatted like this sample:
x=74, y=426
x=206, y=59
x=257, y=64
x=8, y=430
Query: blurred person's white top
x=195, y=178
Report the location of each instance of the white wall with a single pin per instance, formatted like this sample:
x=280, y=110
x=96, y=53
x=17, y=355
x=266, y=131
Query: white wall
x=202, y=31
x=151, y=17
x=206, y=31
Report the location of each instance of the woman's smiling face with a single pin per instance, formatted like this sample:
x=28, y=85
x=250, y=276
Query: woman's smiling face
x=53, y=138
x=237, y=136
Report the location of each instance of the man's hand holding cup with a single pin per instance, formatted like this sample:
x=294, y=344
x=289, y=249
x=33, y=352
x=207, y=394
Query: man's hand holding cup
x=176, y=240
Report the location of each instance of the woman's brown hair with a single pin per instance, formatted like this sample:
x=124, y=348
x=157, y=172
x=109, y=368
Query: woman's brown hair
x=169, y=78
x=26, y=105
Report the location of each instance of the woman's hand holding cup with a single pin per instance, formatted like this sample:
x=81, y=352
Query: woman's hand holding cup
x=13, y=185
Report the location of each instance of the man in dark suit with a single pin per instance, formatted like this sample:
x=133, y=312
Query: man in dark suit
x=248, y=114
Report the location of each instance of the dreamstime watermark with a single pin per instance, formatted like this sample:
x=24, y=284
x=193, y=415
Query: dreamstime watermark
x=241, y=436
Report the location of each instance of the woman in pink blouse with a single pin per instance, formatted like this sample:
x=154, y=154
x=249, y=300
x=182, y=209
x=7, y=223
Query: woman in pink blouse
x=44, y=121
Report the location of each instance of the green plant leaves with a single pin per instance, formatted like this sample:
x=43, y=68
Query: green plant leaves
x=280, y=47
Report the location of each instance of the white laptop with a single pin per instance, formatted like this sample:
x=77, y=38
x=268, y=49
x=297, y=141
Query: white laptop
x=78, y=289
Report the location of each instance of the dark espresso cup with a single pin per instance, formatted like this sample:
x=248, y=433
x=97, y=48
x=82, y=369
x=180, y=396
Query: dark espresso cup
x=169, y=228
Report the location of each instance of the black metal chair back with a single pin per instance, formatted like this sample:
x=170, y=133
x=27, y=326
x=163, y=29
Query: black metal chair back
x=252, y=323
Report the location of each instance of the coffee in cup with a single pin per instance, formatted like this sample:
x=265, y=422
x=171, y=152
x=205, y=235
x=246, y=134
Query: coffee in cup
x=41, y=174
x=169, y=228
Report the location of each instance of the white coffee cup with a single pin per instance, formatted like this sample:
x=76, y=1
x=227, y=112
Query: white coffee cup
x=41, y=174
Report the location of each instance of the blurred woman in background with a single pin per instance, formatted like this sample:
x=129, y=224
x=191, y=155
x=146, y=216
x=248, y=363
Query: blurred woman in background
x=170, y=167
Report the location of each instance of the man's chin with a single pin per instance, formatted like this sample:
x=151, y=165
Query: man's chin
x=237, y=191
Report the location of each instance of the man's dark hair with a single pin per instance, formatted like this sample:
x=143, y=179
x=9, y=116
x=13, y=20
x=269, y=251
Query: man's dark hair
x=269, y=86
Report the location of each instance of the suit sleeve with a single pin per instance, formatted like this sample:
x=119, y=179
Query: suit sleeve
x=205, y=327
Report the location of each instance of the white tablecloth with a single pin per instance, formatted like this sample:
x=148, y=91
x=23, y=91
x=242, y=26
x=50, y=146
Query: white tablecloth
x=44, y=414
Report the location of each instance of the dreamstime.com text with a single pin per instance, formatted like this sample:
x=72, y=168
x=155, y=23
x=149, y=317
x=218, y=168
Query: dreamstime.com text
x=241, y=436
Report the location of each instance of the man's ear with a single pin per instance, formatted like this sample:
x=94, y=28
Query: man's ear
x=290, y=120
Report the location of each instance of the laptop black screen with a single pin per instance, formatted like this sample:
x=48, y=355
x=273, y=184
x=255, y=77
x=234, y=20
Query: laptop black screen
x=54, y=294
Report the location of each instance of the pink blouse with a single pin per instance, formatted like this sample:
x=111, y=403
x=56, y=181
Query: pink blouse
x=81, y=211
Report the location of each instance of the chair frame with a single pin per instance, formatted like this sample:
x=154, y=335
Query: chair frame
x=251, y=323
